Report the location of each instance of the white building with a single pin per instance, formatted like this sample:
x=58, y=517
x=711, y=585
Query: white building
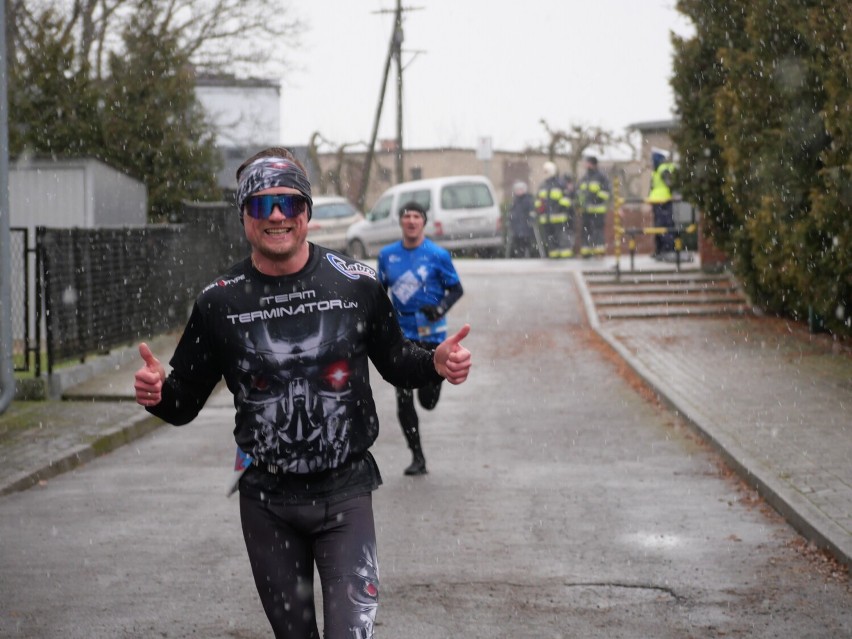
x=245, y=114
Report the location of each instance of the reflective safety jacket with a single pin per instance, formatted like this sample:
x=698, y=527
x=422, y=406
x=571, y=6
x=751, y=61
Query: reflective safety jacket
x=593, y=192
x=661, y=184
x=548, y=202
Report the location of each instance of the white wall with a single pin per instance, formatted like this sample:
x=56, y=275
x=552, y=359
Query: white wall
x=74, y=193
x=119, y=200
x=243, y=116
x=48, y=194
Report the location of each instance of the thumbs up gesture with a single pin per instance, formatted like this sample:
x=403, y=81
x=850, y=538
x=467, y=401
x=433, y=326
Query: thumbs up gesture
x=149, y=379
x=452, y=360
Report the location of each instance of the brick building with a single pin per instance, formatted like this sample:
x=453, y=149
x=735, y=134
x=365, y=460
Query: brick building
x=503, y=169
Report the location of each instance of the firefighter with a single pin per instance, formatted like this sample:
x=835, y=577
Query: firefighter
x=569, y=205
x=552, y=216
x=593, y=194
x=660, y=199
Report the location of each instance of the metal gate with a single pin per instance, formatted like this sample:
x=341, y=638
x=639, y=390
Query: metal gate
x=22, y=303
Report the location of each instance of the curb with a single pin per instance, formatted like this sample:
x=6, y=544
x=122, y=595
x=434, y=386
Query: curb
x=797, y=511
x=61, y=380
x=124, y=433
x=52, y=386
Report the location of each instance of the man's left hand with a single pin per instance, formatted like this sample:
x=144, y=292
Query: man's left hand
x=452, y=360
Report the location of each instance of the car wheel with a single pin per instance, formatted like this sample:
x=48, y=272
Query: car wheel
x=357, y=250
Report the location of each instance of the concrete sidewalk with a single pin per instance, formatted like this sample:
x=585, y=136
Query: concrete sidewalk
x=772, y=399
x=775, y=401
x=97, y=413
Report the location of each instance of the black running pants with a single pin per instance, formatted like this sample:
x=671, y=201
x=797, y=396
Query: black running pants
x=284, y=542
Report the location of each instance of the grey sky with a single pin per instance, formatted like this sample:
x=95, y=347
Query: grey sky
x=484, y=69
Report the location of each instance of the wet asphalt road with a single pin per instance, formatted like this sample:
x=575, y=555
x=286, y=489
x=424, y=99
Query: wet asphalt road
x=560, y=503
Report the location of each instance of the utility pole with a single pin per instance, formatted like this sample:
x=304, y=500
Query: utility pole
x=7, y=368
x=397, y=44
x=394, y=53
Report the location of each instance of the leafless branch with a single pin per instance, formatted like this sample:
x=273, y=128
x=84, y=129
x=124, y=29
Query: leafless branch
x=243, y=37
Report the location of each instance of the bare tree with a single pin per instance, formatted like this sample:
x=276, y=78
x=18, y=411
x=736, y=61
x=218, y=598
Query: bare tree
x=340, y=177
x=242, y=37
x=313, y=155
x=572, y=143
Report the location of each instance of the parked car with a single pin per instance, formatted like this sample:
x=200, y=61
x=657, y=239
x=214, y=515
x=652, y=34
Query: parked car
x=462, y=215
x=332, y=215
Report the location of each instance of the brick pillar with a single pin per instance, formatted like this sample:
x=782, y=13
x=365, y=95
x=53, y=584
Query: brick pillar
x=712, y=257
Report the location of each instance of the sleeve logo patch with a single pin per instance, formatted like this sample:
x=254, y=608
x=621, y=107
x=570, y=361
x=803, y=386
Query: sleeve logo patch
x=352, y=270
x=223, y=283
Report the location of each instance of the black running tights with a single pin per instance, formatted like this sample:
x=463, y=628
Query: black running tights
x=284, y=542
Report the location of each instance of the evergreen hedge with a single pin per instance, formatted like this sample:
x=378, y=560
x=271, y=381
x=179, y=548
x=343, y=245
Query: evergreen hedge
x=764, y=101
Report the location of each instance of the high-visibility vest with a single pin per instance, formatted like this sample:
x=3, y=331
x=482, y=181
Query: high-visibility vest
x=660, y=191
x=547, y=202
x=593, y=193
x=594, y=197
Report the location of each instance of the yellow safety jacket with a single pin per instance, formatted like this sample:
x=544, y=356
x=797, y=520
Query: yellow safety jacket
x=660, y=190
x=593, y=193
x=548, y=202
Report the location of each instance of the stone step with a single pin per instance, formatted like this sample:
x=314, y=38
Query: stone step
x=661, y=293
x=684, y=310
x=680, y=288
x=608, y=277
x=702, y=297
x=645, y=278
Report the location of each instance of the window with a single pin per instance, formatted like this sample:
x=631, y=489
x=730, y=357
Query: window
x=333, y=211
x=382, y=208
x=468, y=195
x=423, y=197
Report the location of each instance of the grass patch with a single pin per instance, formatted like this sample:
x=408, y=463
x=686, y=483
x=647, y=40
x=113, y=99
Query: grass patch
x=19, y=362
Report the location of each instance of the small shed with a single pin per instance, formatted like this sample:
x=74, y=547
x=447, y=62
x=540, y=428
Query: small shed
x=68, y=193
x=82, y=193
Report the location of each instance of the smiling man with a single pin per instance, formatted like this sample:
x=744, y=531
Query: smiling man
x=291, y=329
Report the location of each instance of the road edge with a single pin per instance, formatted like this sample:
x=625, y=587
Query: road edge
x=125, y=432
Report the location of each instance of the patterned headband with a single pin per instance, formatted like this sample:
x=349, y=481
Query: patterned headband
x=265, y=173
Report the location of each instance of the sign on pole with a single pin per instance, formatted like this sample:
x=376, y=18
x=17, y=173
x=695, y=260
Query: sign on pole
x=484, y=151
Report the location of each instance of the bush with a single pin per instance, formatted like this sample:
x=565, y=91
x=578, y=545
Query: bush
x=763, y=94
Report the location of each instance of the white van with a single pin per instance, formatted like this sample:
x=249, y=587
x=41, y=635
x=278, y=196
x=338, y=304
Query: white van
x=462, y=215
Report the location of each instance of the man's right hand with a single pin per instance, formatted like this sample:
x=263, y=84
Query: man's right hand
x=149, y=379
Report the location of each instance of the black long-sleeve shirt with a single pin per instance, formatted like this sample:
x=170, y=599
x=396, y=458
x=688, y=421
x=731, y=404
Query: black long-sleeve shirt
x=294, y=352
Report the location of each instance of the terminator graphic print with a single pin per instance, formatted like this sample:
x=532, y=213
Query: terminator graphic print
x=296, y=382
x=294, y=352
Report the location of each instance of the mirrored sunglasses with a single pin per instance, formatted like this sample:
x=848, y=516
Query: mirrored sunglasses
x=260, y=206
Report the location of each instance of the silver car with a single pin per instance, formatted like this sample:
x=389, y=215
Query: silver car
x=462, y=215
x=332, y=215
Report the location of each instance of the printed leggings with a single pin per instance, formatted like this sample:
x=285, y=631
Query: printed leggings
x=285, y=541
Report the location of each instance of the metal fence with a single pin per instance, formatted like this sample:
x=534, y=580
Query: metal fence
x=104, y=288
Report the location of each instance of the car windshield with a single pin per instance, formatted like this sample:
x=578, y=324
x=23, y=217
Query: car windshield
x=333, y=210
x=382, y=208
x=470, y=195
